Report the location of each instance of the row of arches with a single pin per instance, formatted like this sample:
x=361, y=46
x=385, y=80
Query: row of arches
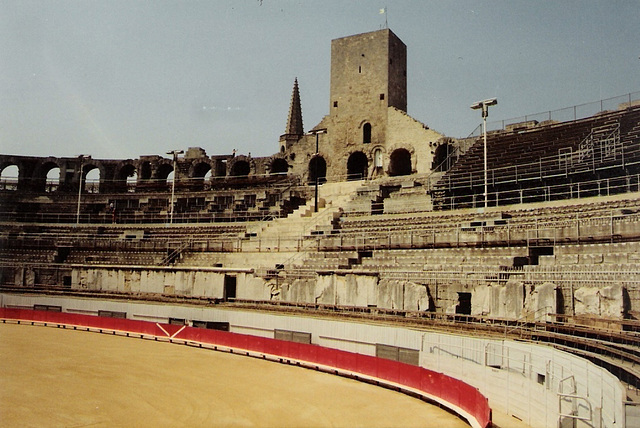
x=156, y=173
x=52, y=174
x=400, y=163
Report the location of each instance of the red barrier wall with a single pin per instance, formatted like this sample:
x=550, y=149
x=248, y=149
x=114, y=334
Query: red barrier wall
x=453, y=391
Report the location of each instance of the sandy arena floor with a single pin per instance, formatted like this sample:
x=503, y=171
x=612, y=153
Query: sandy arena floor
x=62, y=378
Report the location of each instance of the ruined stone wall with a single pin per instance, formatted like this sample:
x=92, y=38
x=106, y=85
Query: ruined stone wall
x=407, y=133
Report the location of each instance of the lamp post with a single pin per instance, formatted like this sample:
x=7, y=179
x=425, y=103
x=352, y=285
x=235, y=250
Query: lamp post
x=316, y=132
x=484, y=105
x=81, y=157
x=175, y=154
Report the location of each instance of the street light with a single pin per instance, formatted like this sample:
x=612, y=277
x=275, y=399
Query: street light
x=175, y=154
x=315, y=156
x=484, y=105
x=81, y=157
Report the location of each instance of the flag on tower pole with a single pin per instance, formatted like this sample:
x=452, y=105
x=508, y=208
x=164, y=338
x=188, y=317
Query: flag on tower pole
x=383, y=11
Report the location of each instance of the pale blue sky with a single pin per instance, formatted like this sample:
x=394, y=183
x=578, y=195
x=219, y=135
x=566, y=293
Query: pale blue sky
x=124, y=78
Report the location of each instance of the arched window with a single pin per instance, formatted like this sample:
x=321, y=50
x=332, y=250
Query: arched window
x=9, y=178
x=91, y=179
x=53, y=179
x=366, y=133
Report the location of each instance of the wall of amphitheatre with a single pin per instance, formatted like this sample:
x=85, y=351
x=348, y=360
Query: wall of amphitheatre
x=519, y=379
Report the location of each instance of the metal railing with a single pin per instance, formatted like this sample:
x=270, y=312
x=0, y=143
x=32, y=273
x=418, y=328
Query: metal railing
x=544, y=193
x=566, y=114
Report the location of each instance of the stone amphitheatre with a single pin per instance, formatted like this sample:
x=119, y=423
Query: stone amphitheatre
x=502, y=274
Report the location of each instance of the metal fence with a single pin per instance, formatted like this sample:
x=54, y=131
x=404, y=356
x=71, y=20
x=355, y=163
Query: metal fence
x=566, y=114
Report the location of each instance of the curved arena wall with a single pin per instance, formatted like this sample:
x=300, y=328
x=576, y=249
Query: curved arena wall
x=453, y=394
x=524, y=380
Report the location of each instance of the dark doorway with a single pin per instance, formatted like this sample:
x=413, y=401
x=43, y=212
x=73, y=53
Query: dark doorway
x=229, y=288
x=317, y=170
x=464, y=304
x=400, y=162
x=357, y=166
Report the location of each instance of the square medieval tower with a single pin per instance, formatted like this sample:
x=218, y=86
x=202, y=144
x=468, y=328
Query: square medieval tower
x=368, y=75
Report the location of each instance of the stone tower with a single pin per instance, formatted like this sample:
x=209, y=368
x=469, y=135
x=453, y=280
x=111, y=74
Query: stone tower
x=367, y=133
x=368, y=75
x=295, y=129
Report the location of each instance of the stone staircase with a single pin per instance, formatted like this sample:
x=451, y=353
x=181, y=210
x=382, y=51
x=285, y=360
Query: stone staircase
x=289, y=233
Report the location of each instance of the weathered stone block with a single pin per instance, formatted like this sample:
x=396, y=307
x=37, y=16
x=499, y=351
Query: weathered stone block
x=607, y=302
x=481, y=299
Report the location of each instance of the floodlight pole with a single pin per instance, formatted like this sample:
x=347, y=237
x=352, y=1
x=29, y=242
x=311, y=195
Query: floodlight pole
x=484, y=105
x=81, y=157
x=315, y=156
x=175, y=154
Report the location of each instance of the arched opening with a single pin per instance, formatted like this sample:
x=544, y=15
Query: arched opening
x=357, y=166
x=165, y=175
x=400, y=162
x=279, y=166
x=200, y=170
x=207, y=179
x=240, y=169
x=9, y=178
x=53, y=178
x=127, y=178
x=442, y=159
x=317, y=170
x=366, y=133
x=91, y=179
x=198, y=175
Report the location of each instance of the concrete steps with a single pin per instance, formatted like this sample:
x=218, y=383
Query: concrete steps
x=289, y=233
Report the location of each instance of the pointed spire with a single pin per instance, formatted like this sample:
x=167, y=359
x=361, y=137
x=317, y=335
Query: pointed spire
x=294, y=121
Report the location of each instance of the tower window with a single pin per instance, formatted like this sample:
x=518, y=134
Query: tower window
x=366, y=133
x=335, y=104
x=381, y=96
x=359, y=69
